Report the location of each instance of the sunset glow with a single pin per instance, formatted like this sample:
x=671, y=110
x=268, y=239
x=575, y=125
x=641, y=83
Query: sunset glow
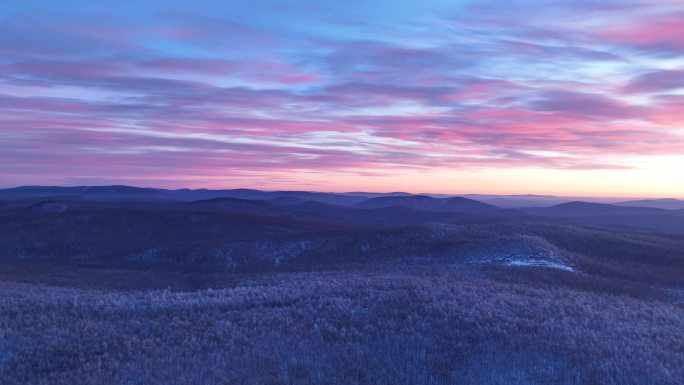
x=579, y=98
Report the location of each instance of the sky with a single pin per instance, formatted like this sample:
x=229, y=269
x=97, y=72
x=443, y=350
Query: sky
x=568, y=97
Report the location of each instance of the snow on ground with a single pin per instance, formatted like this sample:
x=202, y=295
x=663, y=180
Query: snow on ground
x=539, y=263
x=518, y=251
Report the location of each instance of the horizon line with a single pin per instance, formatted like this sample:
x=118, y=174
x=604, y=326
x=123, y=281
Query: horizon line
x=580, y=196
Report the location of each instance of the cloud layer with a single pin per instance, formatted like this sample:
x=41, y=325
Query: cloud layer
x=283, y=92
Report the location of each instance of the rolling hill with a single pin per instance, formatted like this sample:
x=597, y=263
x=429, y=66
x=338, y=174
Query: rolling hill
x=427, y=203
x=665, y=204
x=587, y=209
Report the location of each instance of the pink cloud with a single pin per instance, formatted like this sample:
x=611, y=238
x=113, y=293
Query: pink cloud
x=208, y=96
x=657, y=34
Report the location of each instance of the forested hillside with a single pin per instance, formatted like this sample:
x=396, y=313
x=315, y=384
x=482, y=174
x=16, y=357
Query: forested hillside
x=235, y=291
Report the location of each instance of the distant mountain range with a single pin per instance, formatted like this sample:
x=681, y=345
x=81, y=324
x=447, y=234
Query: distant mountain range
x=666, y=204
x=427, y=203
x=357, y=208
x=585, y=209
x=252, y=230
x=124, y=193
x=128, y=193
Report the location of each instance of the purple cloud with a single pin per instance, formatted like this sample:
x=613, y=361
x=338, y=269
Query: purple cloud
x=657, y=81
x=324, y=89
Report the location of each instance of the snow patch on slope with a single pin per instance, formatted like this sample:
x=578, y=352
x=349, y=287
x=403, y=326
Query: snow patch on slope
x=539, y=263
x=517, y=251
